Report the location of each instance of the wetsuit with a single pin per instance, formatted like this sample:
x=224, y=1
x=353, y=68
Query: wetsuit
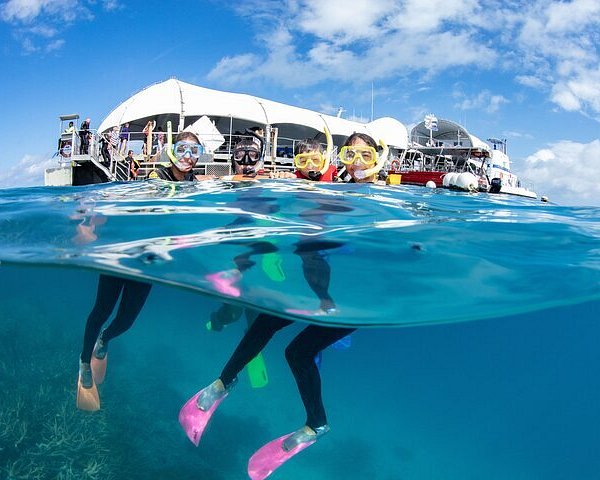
x=165, y=173
x=302, y=352
x=300, y=355
x=133, y=296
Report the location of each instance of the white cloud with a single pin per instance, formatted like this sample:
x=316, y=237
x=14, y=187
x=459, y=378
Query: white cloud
x=550, y=46
x=28, y=171
x=35, y=22
x=531, y=81
x=513, y=134
x=558, y=44
x=572, y=16
x=484, y=100
x=567, y=172
x=29, y=10
x=367, y=40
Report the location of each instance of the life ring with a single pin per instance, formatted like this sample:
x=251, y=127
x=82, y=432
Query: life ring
x=395, y=165
x=66, y=148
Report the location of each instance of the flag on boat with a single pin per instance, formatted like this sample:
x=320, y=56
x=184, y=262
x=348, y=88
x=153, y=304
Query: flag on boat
x=431, y=122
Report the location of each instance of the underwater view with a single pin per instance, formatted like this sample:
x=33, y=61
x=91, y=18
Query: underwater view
x=476, y=353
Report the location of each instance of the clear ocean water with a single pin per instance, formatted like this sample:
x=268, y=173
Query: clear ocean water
x=480, y=358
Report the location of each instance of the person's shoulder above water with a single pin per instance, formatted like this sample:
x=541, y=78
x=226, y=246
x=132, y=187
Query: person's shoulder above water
x=163, y=173
x=330, y=175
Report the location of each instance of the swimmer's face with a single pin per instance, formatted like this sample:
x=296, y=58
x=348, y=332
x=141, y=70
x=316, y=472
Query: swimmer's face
x=359, y=166
x=310, y=164
x=246, y=159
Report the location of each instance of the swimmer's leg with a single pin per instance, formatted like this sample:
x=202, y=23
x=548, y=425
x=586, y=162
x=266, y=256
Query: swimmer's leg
x=198, y=410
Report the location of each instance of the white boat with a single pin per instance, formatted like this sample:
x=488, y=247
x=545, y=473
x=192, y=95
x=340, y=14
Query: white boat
x=229, y=115
x=445, y=153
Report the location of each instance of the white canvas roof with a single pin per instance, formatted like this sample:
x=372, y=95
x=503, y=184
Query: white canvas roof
x=174, y=97
x=450, y=133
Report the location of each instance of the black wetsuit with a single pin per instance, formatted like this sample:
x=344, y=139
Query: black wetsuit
x=303, y=349
x=165, y=173
x=300, y=355
x=133, y=297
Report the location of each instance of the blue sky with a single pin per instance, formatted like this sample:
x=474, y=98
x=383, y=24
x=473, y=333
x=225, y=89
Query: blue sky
x=528, y=71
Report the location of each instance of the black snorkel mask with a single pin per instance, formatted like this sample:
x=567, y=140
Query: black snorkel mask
x=248, y=156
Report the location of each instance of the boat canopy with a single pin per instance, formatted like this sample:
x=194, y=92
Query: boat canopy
x=176, y=99
x=449, y=135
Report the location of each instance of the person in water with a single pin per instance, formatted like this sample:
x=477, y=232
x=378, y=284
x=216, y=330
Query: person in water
x=183, y=156
x=301, y=355
x=360, y=158
x=312, y=163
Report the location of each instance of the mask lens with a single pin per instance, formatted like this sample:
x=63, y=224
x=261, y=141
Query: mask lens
x=180, y=149
x=310, y=159
x=366, y=155
x=246, y=156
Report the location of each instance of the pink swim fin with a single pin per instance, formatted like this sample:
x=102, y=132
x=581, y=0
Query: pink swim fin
x=271, y=456
x=193, y=420
x=224, y=281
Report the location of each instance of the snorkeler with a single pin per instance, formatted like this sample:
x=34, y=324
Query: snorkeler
x=183, y=156
x=301, y=355
x=312, y=163
x=361, y=160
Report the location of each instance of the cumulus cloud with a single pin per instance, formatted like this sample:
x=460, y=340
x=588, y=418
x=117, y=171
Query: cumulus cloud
x=484, y=100
x=37, y=23
x=550, y=46
x=28, y=10
x=567, y=172
x=369, y=39
x=29, y=171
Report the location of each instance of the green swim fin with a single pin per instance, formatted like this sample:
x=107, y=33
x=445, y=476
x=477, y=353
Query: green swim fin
x=257, y=372
x=272, y=266
x=256, y=368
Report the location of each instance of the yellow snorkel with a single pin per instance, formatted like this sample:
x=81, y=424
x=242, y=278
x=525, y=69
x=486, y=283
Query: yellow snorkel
x=170, y=143
x=328, y=151
x=382, y=157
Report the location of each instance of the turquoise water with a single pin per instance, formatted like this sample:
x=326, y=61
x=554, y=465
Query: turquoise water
x=516, y=395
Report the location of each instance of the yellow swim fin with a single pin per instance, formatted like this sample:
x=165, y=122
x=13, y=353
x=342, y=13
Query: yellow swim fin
x=87, y=398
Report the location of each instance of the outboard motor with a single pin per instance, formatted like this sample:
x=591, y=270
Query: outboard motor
x=496, y=185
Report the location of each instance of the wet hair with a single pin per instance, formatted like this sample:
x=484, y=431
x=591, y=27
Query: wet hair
x=308, y=145
x=256, y=129
x=189, y=136
x=247, y=142
x=362, y=136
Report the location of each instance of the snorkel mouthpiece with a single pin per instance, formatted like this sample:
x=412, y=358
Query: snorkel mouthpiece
x=314, y=175
x=248, y=171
